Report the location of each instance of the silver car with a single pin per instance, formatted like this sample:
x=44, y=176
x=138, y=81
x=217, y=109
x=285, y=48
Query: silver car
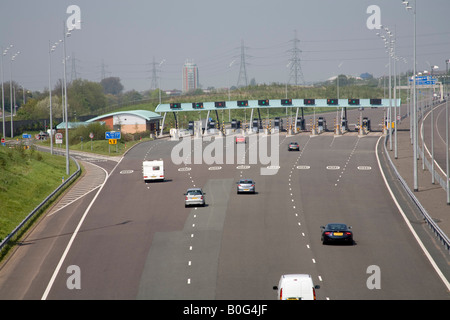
x=194, y=196
x=246, y=185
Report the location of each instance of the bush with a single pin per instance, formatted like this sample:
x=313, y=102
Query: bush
x=97, y=128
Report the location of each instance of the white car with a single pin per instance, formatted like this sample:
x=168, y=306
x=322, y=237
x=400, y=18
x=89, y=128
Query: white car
x=194, y=196
x=296, y=287
x=246, y=185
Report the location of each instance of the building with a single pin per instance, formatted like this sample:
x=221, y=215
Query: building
x=130, y=121
x=190, y=76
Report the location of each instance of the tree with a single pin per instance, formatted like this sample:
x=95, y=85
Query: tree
x=85, y=97
x=17, y=90
x=131, y=96
x=112, y=85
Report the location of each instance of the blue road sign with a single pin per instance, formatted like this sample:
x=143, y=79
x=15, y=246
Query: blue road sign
x=424, y=81
x=26, y=136
x=112, y=135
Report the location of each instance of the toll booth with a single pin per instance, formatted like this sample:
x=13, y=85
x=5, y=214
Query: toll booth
x=191, y=127
x=235, y=124
x=212, y=126
x=321, y=124
x=278, y=124
x=344, y=124
x=366, y=123
x=255, y=125
x=300, y=124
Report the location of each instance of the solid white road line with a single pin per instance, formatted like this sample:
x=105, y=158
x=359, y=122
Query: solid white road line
x=427, y=254
x=66, y=251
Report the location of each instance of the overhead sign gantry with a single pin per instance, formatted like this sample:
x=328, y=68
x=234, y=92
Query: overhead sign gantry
x=272, y=103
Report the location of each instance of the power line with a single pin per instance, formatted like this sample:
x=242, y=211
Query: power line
x=295, y=63
x=74, y=73
x=243, y=68
x=154, y=84
x=103, y=70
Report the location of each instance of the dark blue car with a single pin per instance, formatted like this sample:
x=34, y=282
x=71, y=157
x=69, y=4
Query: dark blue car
x=336, y=232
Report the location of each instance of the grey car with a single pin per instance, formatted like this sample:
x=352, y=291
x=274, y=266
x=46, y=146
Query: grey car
x=293, y=146
x=194, y=196
x=246, y=185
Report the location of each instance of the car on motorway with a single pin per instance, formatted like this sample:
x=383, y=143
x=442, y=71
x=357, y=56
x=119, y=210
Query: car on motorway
x=336, y=232
x=293, y=146
x=194, y=196
x=246, y=185
x=296, y=287
x=240, y=139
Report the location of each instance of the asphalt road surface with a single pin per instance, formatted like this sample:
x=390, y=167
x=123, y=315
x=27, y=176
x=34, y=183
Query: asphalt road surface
x=439, y=135
x=128, y=239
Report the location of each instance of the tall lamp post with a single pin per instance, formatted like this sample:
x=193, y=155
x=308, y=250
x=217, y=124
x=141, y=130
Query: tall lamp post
x=4, y=52
x=160, y=64
x=446, y=152
x=13, y=57
x=65, y=35
x=228, y=85
x=51, y=49
x=416, y=186
x=388, y=46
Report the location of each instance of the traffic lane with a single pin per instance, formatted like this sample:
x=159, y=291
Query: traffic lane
x=261, y=240
x=183, y=264
x=106, y=162
x=130, y=227
x=321, y=171
x=411, y=212
x=112, y=244
x=192, y=253
x=438, y=127
x=152, y=150
x=329, y=156
x=27, y=272
x=381, y=239
x=375, y=115
x=342, y=267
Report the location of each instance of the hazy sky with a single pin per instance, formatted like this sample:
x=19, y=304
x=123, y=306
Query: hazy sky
x=126, y=35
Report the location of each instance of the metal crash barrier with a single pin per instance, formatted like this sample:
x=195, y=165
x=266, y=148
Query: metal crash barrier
x=16, y=230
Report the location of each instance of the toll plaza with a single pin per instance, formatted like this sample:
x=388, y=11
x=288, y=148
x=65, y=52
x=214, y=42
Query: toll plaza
x=294, y=124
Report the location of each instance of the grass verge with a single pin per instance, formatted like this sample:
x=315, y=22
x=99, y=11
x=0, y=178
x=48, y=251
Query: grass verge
x=27, y=177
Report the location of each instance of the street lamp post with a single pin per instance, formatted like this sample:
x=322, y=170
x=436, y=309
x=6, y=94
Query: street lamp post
x=432, y=129
x=416, y=187
x=446, y=141
x=51, y=49
x=388, y=45
x=228, y=85
x=4, y=52
x=13, y=57
x=338, y=125
x=65, y=35
x=394, y=58
x=160, y=64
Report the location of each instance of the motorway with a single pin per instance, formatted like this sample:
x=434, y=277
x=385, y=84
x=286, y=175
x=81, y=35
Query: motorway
x=439, y=133
x=136, y=240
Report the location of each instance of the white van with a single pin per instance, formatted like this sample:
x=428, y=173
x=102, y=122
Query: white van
x=153, y=170
x=296, y=287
